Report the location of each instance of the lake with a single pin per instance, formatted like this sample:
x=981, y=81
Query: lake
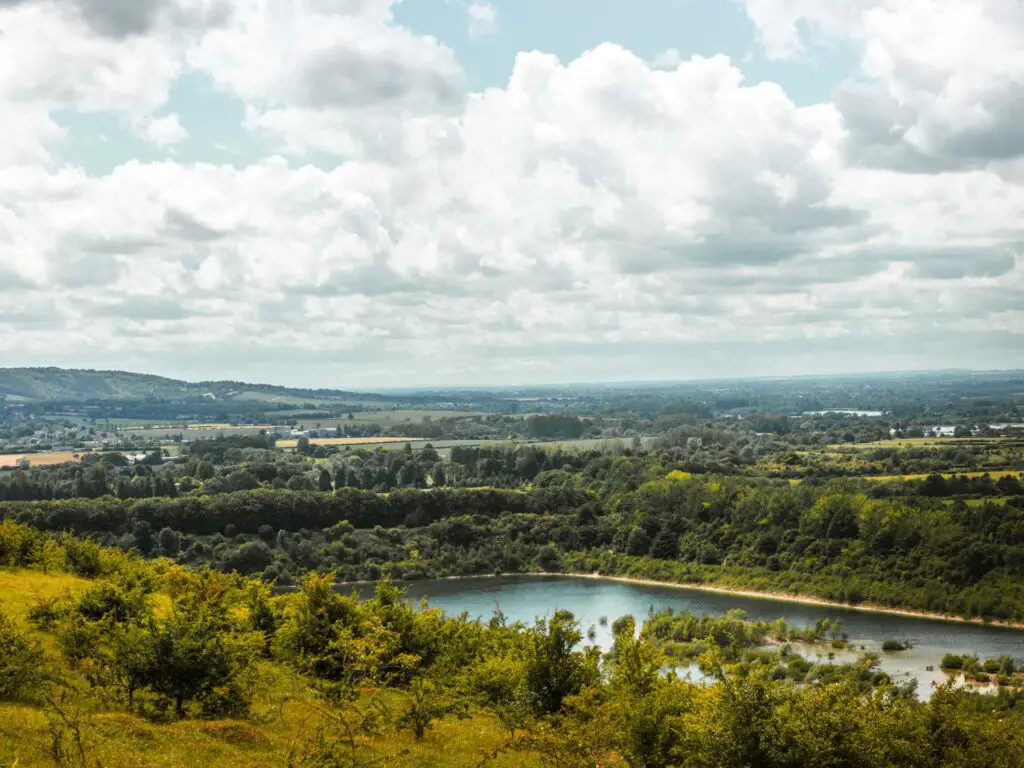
x=524, y=598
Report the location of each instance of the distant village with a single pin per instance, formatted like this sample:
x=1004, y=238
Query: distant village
x=25, y=434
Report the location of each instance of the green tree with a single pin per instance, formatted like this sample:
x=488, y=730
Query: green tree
x=554, y=668
x=193, y=658
x=204, y=470
x=324, y=481
x=21, y=662
x=428, y=702
x=437, y=475
x=260, y=615
x=636, y=663
x=638, y=543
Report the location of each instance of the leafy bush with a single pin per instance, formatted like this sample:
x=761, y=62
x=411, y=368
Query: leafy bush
x=21, y=669
x=20, y=546
x=554, y=669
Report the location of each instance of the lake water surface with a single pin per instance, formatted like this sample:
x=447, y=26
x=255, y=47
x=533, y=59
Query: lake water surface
x=525, y=598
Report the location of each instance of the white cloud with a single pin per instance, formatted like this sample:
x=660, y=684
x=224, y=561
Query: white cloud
x=942, y=81
x=57, y=59
x=165, y=131
x=670, y=58
x=483, y=19
x=343, y=78
x=785, y=25
x=599, y=216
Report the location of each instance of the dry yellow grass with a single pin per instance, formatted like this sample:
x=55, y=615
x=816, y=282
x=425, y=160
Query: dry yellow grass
x=40, y=459
x=121, y=739
x=348, y=441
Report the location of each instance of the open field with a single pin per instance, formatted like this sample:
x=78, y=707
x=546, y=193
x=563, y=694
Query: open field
x=590, y=444
x=137, y=427
x=140, y=423
x=40, y=459
x=994, y=474
x=912, y=459
x=301, y=402
x=286, y=444
x=443, y=447
x=386, y=418
x=918, y=442
x=1000, y=500
x=266, y=397
x=190, y=433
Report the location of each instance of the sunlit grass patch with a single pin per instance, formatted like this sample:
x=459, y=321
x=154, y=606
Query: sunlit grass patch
x=21, y=589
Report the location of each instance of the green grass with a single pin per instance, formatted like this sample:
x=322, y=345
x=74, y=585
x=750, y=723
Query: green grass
x=269, y=397
x=189, y=433
x=1000, y=500
x=351, y=442
x=387, y=418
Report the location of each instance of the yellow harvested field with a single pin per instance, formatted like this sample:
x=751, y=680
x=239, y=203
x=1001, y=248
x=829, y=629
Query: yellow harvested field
x=39, y=459
x=349, y=441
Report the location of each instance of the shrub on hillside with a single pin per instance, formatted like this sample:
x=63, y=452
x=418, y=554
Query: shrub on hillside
x=20, y=662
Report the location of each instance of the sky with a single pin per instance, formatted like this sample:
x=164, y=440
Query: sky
x=395, y=193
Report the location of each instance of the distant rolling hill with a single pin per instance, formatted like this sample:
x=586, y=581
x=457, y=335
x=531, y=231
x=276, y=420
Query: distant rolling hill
x=61, y=384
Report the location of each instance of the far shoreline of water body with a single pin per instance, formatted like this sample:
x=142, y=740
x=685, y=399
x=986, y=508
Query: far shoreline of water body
x=598, y=600
x=776, y=597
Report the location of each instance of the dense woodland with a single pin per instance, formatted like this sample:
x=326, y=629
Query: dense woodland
x=845, y=540
x=317, y=678
x=241, y=463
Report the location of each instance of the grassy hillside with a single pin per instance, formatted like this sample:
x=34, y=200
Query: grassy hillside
x=285, y=719
x=60, y=384
x=49, y=384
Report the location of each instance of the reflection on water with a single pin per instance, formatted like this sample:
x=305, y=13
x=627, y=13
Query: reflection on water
x=524, y=598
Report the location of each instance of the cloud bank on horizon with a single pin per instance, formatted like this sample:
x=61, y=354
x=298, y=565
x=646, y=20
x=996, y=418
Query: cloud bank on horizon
x=382, y=193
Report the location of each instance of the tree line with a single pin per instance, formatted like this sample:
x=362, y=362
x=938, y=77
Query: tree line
x=833, y=540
